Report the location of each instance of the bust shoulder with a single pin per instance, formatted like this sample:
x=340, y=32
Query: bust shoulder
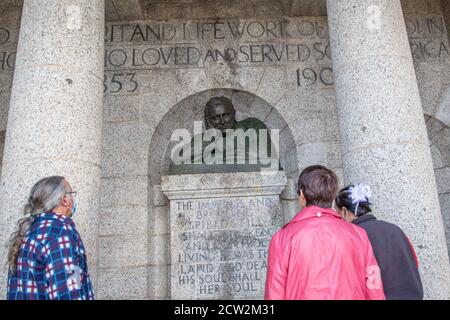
x=250, y=123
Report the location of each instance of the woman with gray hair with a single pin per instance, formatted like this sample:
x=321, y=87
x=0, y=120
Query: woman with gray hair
x=46, y=258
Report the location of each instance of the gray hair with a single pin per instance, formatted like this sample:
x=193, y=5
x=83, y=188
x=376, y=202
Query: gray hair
x=45, y=195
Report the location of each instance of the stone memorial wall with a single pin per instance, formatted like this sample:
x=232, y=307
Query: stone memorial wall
x=158, y=75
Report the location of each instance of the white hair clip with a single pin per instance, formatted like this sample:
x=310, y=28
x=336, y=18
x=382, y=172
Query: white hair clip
x=360, y=193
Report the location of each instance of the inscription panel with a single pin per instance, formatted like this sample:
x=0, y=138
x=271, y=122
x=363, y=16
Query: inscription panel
x=301, y=44
x=219, y=247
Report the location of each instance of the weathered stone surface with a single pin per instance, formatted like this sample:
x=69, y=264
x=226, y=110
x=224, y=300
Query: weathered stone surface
x=126, y=10
x=445, y=207
x=315, y=128
x=198, y=9
x=125, y=149
x=443, y=107
x=290, y=209
x=10, y=16
x=260, y=109
x=271, y=85
x=9, y=35
x=4, y=107
x=122, y=283
x=236, y=183
x=434, y=126
x=438, y=159
x=158, y=282
x=121, y=108
x=446, y=13
x=433, y=82
x=313, y=8
x=110, y=11
x=340, y=174
x=154, y=107
x=127, y=191
x=312, y=154
x=133, y=220
x=159, y=249
x=248, y=78
x=75, y=96
x=159, y=199
x=159, y=221
x=442, y=141
x=290, y=192
x=421, y=6
x=123, y=251
x=443, y=180
x=2, y=145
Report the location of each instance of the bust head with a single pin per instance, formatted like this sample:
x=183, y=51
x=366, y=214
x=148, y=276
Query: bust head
x=220, y=114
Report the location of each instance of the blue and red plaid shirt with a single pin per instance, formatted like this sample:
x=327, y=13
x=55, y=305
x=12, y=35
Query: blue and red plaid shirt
x=51, y=264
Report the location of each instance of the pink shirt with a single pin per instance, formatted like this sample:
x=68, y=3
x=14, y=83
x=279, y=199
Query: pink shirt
x=319, y=256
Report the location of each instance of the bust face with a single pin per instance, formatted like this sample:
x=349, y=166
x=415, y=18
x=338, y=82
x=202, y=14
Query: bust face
x=221, y=116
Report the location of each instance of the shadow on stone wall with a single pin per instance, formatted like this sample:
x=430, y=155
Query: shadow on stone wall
x=439, y=136
x=2, y=146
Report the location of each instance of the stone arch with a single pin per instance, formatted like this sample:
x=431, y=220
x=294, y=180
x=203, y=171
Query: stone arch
x=181, y=116
x=439, y=137
x=185, y=112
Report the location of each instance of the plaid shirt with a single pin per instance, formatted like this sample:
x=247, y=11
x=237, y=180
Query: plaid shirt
x=51, y=264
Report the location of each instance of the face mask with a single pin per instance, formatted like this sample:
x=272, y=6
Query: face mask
x=74, y=207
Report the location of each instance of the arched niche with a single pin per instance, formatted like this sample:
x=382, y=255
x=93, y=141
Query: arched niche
x=190, y=109
x=182, y=116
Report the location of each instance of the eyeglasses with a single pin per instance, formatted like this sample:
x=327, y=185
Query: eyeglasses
x=73, y=193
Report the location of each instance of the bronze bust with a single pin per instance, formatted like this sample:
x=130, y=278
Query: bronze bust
x=220, y=115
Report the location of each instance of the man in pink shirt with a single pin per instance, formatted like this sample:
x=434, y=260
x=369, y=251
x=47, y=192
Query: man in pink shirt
x=319, y=256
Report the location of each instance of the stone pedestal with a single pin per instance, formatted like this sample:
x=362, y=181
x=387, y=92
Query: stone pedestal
x=220, y=230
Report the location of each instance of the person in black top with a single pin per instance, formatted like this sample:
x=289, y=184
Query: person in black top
x=393, y=250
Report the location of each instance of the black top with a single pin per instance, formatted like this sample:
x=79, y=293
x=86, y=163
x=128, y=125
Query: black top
x=396, y=258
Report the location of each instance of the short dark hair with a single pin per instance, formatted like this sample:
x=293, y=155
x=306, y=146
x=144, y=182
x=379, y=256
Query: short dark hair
x=218, y=101
x=319, y=185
